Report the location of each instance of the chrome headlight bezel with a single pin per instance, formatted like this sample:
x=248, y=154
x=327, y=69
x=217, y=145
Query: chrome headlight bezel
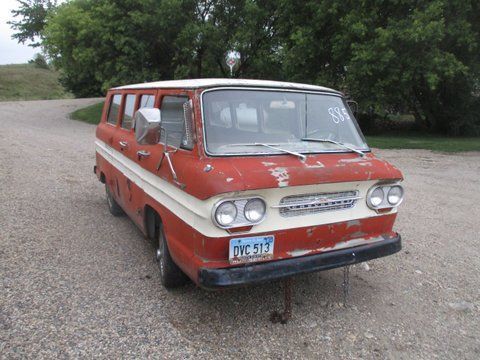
x=241, y=219
x=384, y=204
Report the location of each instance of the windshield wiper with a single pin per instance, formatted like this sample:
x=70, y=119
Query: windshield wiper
x=362, y=154
x=273, y=146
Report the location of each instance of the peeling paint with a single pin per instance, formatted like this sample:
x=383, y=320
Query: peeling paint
x=281, y=175
x=337, y=246
x=354, y=160
x=353, y=223
x=229, y=179
x=310, y=232
x=317, y=165
x=357, y=234
x=266, y=163
x=349, y=244
x=298, y=252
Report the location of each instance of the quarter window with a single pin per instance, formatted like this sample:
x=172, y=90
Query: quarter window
x=114, y=109
x=128, y=112
x=147, y=101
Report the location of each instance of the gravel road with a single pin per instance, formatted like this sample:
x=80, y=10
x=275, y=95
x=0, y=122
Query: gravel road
x=77, y=282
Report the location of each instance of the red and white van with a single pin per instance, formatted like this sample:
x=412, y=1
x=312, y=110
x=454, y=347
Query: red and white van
x=244, y=181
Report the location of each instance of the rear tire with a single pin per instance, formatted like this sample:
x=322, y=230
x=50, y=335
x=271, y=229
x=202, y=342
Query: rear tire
x=171, y=276
x=113, y=206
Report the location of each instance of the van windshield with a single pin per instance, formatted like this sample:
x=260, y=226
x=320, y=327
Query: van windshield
x=238, y=121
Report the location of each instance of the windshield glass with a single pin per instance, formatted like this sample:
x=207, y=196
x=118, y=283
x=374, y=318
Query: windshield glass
x=237, y=121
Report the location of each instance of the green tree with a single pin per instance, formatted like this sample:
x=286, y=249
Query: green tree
x=422, y=56
x=216, y=26
x=391, y=55
x=99, y=44
x=33, y=14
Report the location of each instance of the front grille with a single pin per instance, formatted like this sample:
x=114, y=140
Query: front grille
x=307, y=204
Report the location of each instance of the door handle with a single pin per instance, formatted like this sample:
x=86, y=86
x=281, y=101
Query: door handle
x=143, y=153
x=123, y=143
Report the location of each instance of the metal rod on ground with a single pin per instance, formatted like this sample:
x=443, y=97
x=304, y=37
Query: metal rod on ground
x=284, y=316
x=346, y=283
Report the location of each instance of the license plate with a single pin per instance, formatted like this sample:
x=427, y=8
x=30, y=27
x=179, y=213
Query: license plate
x=250, y=249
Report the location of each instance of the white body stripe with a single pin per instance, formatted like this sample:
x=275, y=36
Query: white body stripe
x=197, y=213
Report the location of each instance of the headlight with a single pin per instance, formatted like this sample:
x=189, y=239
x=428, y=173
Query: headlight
x=395, y=195
x=384, y=196
x=226, y=213
x=239, y=212
x=376, y=197
x=254, y=210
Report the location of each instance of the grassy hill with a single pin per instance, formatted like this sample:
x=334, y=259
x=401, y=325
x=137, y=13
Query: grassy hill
x=29, y=82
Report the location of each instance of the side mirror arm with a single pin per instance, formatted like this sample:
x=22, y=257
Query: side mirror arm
x=166, y=155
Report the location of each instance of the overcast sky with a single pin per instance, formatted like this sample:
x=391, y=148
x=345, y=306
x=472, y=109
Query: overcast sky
x=10, y=51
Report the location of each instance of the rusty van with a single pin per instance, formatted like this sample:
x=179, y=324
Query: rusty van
x=245, y=181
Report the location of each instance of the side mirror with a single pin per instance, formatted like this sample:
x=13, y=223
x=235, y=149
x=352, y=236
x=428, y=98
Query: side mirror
x=147, y=126
x=353, y=106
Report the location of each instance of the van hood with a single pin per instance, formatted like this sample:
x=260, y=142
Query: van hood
x=218, y=175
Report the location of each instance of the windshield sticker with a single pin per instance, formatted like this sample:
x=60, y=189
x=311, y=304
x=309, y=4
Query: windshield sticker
x=338, y=115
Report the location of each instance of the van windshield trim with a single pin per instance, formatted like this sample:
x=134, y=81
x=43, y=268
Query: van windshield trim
x=366, y=149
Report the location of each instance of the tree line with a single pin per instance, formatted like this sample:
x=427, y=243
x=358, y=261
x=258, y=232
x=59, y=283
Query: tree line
x=392, y=56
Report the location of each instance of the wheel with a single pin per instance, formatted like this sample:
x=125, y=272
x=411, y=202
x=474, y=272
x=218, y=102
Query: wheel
x=113, y=206
x=170, y=274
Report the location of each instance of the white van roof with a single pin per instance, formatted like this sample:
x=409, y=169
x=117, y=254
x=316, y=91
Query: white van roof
x=208, y=83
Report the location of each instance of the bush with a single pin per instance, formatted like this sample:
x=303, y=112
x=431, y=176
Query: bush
x=39, y=61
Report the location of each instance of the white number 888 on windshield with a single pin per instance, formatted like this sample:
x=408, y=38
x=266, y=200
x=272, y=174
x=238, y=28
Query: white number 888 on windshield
x=338, y=114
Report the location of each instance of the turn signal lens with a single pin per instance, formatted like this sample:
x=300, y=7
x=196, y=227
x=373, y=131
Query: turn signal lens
x=395, y=195
x=254, y=210
x=226, y=213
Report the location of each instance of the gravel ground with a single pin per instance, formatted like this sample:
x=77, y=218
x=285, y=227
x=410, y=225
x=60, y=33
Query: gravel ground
x=77, y=282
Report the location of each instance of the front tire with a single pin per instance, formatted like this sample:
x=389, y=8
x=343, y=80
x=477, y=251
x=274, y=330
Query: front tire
x=113, y=206
x=170, y=274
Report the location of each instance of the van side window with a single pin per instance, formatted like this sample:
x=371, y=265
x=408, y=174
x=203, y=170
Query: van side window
x=128, y=112
x=114, y=109
x=147, y=101
x=173, y=113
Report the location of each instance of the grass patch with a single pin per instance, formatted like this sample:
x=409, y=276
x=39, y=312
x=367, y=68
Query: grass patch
x=90, y=114
x=429, y=142
x=29, y=82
